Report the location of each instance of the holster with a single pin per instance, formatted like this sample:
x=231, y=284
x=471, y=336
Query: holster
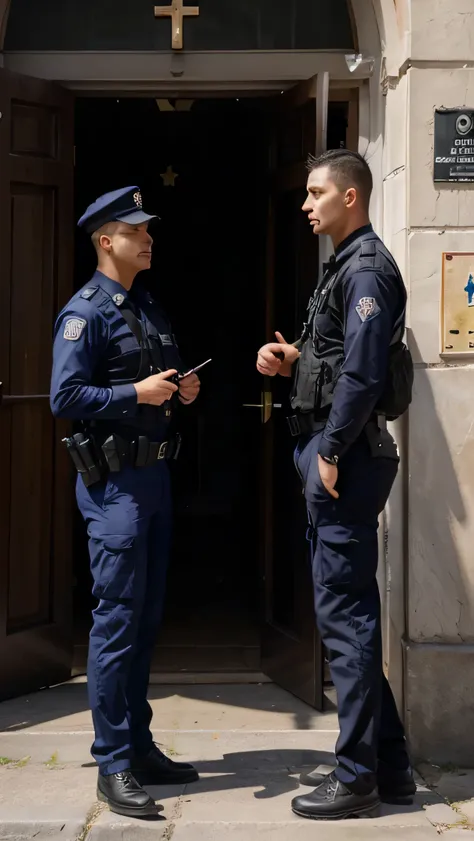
x=84, y=458
x=117, y=453
x=381, y=443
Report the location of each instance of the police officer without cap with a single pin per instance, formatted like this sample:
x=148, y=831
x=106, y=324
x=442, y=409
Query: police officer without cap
x=114, y=354
x=351, y=367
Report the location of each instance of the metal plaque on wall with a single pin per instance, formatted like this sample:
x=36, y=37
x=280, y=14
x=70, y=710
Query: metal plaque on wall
x=454, y=144
x=457, y=303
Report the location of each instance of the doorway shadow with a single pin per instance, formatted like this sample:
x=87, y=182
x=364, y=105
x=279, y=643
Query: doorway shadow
x=70, y=699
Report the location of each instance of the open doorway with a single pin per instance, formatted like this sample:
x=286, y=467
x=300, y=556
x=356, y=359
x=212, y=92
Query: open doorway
x=203, y=167
x=203, y=171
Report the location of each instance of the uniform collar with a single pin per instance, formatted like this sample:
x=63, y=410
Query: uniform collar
x=112, y=287
x=360, y=232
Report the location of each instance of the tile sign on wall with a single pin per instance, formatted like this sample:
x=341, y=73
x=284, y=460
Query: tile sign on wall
x=457, y=303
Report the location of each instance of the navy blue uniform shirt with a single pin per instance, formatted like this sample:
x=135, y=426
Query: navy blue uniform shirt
x=373, y=302
x=90, y=348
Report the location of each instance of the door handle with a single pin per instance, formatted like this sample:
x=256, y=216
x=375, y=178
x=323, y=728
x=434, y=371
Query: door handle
x=9, y=399
x=265, y=406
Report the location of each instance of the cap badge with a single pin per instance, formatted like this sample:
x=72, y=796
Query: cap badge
x=137, y=198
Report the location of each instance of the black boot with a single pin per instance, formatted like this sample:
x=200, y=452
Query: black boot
x=332, y=801
x=157, y=769
x=125, y=796
x=395, y=786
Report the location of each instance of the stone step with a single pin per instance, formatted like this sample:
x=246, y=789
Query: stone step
x=213, y=750
x=248, y=742
x=231, y=800
x=108, y=829
x=240, y=659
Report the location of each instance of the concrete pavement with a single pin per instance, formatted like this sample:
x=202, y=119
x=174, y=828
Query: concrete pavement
x=249, y=744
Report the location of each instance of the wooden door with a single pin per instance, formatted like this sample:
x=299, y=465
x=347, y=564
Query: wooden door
x=292, y=654
x=36, y=254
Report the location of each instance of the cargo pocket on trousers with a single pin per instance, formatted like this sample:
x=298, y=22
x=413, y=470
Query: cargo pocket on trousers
x=346, y=558
x=113, y=566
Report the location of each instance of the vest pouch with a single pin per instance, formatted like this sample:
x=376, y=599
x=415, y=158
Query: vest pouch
x=397, y=394
x=305, y=391
x=164, y=351
x=327, y=382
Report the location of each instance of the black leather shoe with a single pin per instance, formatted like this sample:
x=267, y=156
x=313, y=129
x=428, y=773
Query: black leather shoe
x=396, y=787
x=157, y=769
x=332, y=801
x=125, y=796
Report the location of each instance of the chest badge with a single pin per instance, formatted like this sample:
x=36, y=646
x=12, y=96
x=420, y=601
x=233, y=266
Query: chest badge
x=166, y=339
x=118, y=299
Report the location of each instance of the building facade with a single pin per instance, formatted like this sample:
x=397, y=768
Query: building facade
x=416, y=57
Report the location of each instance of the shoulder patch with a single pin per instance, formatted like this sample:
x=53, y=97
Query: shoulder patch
x=88, y=293
x=367, y=308
x=73, y=329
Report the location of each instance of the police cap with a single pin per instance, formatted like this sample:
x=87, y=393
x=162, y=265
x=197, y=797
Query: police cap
x=123, y=205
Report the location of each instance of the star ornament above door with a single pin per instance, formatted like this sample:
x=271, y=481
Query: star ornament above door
x=169, y=177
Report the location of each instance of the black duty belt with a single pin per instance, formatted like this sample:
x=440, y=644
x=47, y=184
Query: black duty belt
x=304, y=424
x=94, y=460
x=140, y=452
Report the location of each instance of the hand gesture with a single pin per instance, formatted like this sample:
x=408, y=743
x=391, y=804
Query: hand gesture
x=269, y=365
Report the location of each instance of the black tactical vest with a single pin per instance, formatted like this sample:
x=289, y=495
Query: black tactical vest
x=137, y=347
x=322, y=341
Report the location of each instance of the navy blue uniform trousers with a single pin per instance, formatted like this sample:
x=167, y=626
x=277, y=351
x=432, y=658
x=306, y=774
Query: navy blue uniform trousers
x=347, y=605
x=129, y=526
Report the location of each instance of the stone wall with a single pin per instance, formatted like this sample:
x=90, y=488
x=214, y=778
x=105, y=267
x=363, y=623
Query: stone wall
x=431, y=560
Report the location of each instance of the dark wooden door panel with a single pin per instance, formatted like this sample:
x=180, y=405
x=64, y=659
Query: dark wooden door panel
x=291, y=649
x=33, y=257
x=36, y=173
x=292, y=653
x=31, y=517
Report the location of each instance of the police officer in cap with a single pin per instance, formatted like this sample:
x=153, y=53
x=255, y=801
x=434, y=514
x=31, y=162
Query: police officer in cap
x=351, y=371
x=114, y=362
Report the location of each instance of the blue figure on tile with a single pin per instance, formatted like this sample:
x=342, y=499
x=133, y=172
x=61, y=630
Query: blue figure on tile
x=470, y=291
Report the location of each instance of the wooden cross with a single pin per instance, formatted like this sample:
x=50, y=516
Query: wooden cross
x=176, y=12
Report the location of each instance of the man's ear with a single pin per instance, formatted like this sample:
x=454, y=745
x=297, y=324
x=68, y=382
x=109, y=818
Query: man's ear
x=351, y=197
x=105, y=242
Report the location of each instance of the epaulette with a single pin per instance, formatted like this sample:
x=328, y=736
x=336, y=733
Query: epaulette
x=89, y=292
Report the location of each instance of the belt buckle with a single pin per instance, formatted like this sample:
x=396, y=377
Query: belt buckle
x=162, y=451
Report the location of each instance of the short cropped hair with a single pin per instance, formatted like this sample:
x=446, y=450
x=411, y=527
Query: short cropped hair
x=106, y=230
x=348, y=169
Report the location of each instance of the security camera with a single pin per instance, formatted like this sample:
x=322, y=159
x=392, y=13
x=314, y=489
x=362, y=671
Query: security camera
x=356, y=60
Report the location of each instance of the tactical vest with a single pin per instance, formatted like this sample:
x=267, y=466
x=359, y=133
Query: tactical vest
x=322, y=341
x=136, y=349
